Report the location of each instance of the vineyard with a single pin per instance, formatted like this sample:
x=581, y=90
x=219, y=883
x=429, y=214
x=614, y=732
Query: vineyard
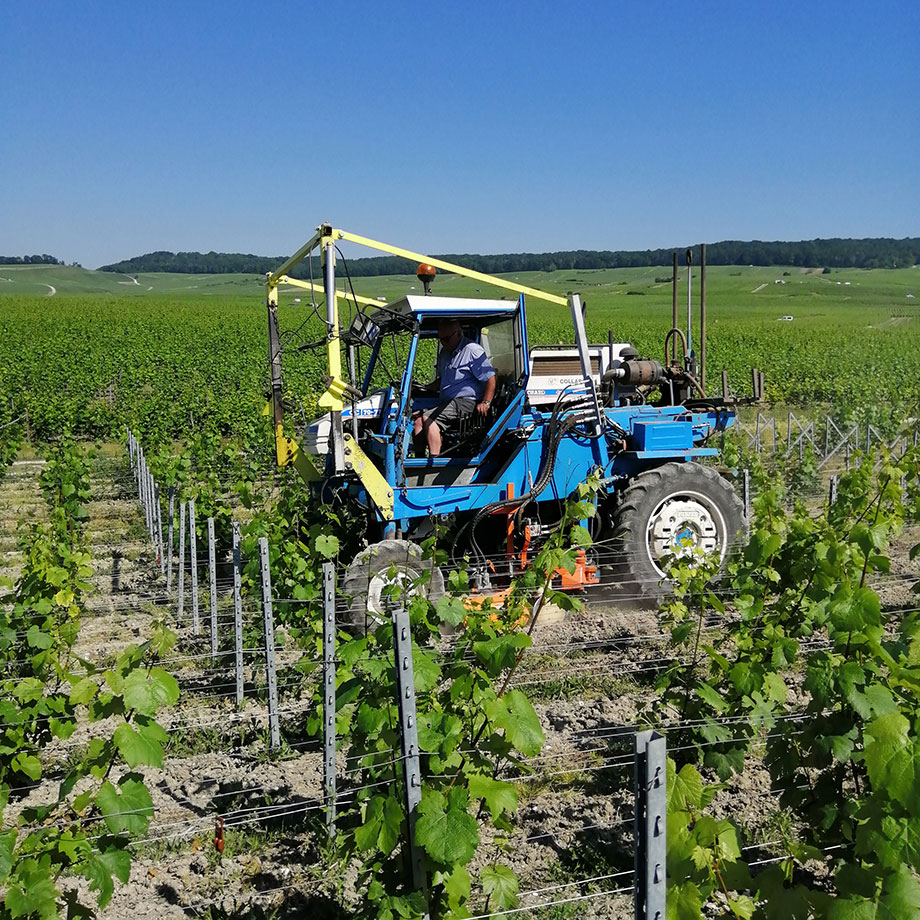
x=170, y=364
x=193, y=727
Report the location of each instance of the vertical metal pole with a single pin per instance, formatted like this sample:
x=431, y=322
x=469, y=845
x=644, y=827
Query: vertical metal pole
x=212, y=572
x=159, y=515
x=689, y=305
x=148, y=504
x=140, y=481
x=408, y=733
x=746, y=493
x=145, y=489
x=237, y=613
x=674, y=319
x=329, y=694
x=703, y=316
x=152, y=511
x=650, y=825
x=832, y=491
x=148, y=501
x=598, y=446
x=181, y=608
x=170, y=537
x=333, y=355
x=193, y=563
x=352, y=379
x=271, y=677
x=142, y=492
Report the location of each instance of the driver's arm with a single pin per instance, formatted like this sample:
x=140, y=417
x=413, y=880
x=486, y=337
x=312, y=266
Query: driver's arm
x=487, y=396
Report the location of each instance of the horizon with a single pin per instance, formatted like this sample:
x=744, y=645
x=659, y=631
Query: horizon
x=676, y=248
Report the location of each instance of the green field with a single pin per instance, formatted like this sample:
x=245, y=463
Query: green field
x=174, y=350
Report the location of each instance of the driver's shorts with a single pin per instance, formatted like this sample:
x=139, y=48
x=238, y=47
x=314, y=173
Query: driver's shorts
x=452, y=410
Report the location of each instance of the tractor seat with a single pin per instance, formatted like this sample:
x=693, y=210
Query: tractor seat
x=463, y=437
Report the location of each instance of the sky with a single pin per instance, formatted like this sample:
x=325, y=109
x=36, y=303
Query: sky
x=454, y=127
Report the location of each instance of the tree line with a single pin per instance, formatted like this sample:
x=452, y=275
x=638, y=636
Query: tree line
x=30, y=260
x=830, y=253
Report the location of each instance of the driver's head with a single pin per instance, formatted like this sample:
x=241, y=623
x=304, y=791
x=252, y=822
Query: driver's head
x=449, y=332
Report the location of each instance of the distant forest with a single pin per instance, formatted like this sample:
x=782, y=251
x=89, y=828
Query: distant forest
x=30, y=260
x=834, y=253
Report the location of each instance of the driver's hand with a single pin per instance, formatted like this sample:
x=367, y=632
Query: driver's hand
x=482, y=408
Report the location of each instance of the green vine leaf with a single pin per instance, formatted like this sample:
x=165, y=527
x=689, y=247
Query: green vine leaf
x=447, y=832
x=450, y=609
x=144, y=746
x=31, y=892
x=501, y=885
x=500, y=652
x=498, y=796
x=100, y=869
x=126, y=809
x=684, y=902
x=892, y=760
x=457, y=886
x=899, y=899
x=515, y=715
x=7, y=845
x=382, y=822
x=684, y=788
x=83, y=691
x=327, y=546
x=148, y=692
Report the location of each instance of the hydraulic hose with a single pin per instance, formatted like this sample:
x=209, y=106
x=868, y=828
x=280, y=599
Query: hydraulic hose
x=558, y=427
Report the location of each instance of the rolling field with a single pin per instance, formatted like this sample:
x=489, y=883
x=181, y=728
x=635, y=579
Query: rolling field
x=172, y=351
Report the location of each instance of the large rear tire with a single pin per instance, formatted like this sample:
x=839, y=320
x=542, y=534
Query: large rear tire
x=370, y=573
x=671, y=510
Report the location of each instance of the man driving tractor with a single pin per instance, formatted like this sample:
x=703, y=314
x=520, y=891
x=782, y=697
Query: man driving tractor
x=465, y=384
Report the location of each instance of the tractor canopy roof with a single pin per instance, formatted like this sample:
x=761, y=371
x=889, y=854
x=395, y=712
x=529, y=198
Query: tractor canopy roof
x=412, y=312
x=419, y=307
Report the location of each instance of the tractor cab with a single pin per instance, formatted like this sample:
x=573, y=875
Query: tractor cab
x=395, y=354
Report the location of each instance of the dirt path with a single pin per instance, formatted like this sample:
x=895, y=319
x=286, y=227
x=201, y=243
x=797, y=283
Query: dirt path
x=21, y=505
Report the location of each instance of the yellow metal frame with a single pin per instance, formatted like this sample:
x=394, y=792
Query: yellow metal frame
x=450, y=267
x=318, y=289
x=286, y=449
x=375, y=483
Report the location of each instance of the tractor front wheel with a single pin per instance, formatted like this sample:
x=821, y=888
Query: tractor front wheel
x=379, y=566
x=673, y=510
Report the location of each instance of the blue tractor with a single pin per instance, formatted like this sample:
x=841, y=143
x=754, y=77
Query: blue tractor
x=494, y=493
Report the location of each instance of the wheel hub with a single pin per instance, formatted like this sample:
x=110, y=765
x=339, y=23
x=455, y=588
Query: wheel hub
x=379, y=587
x=680, y=526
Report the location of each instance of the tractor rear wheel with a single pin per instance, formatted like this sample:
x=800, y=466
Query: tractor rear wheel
x=390, y=562
x=671, y=510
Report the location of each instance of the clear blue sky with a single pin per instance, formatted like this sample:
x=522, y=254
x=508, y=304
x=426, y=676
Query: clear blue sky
x=463, y=127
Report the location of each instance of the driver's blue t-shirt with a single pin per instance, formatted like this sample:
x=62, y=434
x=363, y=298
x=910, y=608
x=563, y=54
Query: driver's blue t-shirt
x=464, y=371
